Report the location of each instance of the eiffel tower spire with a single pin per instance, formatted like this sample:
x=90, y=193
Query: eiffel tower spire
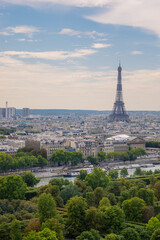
x=119, y=113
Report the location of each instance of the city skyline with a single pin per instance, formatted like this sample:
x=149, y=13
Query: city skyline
x=65, y=55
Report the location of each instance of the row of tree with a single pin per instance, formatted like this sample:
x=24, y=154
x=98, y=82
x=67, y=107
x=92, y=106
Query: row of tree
x=61, y=157
x=7, y=162
x=130, y=155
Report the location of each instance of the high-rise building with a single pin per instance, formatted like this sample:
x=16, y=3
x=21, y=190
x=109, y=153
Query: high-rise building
x=7, y=112
x=119, y=113
x=25, y=112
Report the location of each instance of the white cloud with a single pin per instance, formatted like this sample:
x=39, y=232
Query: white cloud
x=135, y=13
x=28, y=30
x=101, y=45
x=24, y=85
x=70, y=32
x=27, y=40
x=136, y=52
x=5, y=33
x=52, y=55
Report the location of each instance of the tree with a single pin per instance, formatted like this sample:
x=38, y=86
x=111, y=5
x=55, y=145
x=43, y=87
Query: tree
x=133, y=209
x=40, y=152
x=76, y=208
x=115, y=187
x=69, y=191
x=77, y=157
x=54, y=225
x=90, y=198
x=156, y=235
x=113, y=174
x=89, y=235
x=112, y=199
x=82, y=175
x=104, y=203
x=142, y=233
x=46, y=207
x=6, y=162
x=147, y=195
x=97, y=178
x=101, y=156
x=58, y=157
x=59, y=182
x=147, y=213
x=95, y=219
x=81, y=185
x=33, y=225
x=42, y=161
x=114, y=219
x=153, y=224
x=138, y=172
x=45, y=234
x=157, y=190
x=98, y=192
x=12, y=187
x=30, y=179
x=124, y=172
x=92, y=160
x=113, y=236
x=130, y=234
x=15, y=232
x=124, y=195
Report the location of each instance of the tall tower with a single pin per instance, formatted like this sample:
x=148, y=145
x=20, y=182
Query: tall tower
x=119, y=113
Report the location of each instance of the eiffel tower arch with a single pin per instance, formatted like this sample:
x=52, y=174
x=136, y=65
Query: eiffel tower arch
x=119, y=113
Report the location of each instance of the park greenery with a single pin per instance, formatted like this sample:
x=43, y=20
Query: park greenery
x=96, y=206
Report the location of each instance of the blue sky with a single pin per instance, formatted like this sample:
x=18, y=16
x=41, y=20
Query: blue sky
x=64, y=54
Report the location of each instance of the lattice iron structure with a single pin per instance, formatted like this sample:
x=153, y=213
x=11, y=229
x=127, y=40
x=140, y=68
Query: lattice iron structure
x=119, y=113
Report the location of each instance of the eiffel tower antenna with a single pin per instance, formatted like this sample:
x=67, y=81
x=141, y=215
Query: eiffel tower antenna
x=119, y=113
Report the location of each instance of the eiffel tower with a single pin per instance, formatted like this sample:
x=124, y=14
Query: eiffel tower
x=119, y=113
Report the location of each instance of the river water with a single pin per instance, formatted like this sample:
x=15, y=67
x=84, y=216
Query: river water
x=45, y=181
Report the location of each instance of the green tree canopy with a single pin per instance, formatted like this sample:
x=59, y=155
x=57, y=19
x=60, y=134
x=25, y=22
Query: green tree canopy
x=153, y=224
x=76, y=208
x=69, y=191
x=95, y=219
x=133, y=209
x=130, y=234
x=54, y=225
x=46, y=207
x=89, y=235
x=147, y=195
x=93, y=160
x=45, y=234
x=156, y=235
x=30, y=179
x=101, y=156
x=12, y=187
x=114, y=219
x=97, y=178
x=124, y=172
x=16, y=232
x=113, y=174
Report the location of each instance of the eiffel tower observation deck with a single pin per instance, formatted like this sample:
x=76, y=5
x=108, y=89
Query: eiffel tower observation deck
x=119, y=113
